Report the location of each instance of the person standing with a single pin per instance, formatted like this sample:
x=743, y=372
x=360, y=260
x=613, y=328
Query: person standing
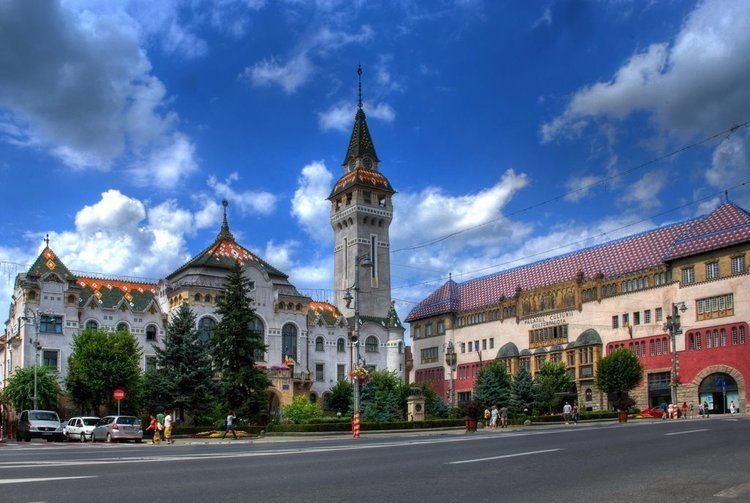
x=230, y=425
x=486, y=417
x=684, y=410
x=574, y=415
x=567, y=409
x=691, y=409
x=168, y=423
x=493, y=417
x=732, y=407
x=705, y=409
x=504, y=417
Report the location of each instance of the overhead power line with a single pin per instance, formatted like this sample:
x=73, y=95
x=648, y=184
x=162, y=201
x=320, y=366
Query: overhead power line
x=726, y=132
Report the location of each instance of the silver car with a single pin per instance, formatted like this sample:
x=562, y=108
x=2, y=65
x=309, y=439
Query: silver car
x=80, y=428
x=117, y=428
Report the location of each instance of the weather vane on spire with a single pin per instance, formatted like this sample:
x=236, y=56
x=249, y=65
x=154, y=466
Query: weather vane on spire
x=359, y=76
x=225, y=233
x=46, y=241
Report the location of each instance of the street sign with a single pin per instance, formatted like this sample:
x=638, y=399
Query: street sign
x=118, y=394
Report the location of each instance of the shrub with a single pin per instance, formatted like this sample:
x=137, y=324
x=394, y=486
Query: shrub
x=366, y=426
x=301, y=410
x=470, y=410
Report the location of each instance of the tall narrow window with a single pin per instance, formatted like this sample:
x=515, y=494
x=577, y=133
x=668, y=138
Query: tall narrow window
x=206, y=328
x=688, y=275
x=346, y=258
x=738, y=264
x=374, y=255
x=712, y=270
x=319, y=344
x=289, y=342
x=658, y=312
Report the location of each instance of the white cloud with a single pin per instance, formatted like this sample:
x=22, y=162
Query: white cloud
x=166, y=166
x=79, y=84
x=578, y=187
x=695, y=84
x=730, y=165
x=210, y=214
x=309, y=204
x=289, y=76
x=280, y=255
x=340, y=117
x=645, y=192
x=248, y=201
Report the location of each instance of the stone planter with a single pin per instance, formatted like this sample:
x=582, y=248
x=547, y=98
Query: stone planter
x=471, y=425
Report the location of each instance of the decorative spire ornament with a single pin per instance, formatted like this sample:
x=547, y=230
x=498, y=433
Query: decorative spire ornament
x=359, y=78
x=225, y=233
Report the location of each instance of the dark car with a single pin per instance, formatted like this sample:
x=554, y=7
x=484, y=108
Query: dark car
x=39, y=424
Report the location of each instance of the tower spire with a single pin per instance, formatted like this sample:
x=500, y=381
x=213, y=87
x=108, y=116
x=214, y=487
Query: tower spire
x=359, y=78
x=46, y=241
x=225, y=233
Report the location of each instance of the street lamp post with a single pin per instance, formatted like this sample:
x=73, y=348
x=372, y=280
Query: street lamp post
x=37, y=347
x=450, y=360
x=674, y=327
x=366, y=262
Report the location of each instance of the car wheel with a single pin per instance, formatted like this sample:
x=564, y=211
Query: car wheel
x=93, y=438
x=83, y=437
x=66, y=437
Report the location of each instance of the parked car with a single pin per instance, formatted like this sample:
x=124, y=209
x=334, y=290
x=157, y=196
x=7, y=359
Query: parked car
x=80, y=428
x=39, y=424
x=117, y=428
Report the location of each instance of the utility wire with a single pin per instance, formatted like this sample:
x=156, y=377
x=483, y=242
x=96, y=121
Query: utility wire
x=728, y=132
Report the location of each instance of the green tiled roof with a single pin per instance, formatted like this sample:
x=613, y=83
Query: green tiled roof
x=360, y=144
x=48, y=261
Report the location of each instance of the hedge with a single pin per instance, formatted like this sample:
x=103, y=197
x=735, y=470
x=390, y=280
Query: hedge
x=192, y=430
x=366, y=426
x=604, y=414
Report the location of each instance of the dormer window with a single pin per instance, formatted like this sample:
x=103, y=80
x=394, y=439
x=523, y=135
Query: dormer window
x=367, y=196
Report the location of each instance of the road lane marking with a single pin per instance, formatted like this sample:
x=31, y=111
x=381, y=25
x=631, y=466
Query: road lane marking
x=734, y=491
x=684, y=432
x=529, y=453
x=45, y=479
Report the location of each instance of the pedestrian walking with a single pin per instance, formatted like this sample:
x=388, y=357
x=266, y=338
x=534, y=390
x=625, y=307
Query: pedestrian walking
x=154, y=427
x=504, y=417
x=670, y=411
x=493, y=417
x=486, y=417
x=691, y=408
x=168, y=422
x=574, y=415
x=684, y=410
x=705, y=409
x=567, y=409
x=230, y=425
x=732, y=407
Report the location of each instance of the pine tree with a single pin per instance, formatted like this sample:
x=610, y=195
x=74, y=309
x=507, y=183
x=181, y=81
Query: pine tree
x=185, y=366
x=550, y=382
x=522, y=392
x=493, y=385
x=234, y=345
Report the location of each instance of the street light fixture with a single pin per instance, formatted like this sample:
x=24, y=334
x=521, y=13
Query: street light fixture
x=451, y=360
x=674, y=327
x=366, y=262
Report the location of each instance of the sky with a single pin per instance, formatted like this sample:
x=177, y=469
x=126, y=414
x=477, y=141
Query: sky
x=527, y=129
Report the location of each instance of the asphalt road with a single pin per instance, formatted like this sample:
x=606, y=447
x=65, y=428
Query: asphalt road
x=684, y=460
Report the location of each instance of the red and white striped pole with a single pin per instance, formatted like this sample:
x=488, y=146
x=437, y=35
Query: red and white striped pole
x=355, y=424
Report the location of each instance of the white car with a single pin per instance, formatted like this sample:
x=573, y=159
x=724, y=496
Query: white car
x=80, y=428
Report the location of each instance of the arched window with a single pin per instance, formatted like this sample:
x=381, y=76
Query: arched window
x=742, y=334
x=71, y=299
x=723, y=337
x=151, y=333
x=588, y=394
x=257, y=326
x=319, y=343
x=341, y=345
x=206, y=327
x=735, y=340
x=123, y=327
x=197, y=297
x=91, y=325
x=691, y=341
x=371, y=344
x=31, y=295
x=289, y=342
x=207, y=298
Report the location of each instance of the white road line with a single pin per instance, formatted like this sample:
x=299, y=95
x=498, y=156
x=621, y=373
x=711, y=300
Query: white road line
x=45, y=479
x=684, y=432
x=734, y=491
x=501, y=457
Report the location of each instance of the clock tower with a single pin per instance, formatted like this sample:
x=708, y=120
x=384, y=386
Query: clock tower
x=361, y=213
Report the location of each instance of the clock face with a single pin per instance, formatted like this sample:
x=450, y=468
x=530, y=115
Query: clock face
x=367, y=163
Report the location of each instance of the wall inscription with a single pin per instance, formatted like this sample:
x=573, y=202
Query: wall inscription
x=549, y=320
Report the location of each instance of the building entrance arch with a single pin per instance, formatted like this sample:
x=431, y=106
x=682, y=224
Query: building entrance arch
x=718, y=390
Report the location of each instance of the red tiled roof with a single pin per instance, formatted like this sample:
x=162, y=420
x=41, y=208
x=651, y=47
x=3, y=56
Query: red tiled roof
x=126, y=286
x=726, y=225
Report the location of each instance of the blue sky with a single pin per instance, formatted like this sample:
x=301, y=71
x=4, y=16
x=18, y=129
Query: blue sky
x=122, y=126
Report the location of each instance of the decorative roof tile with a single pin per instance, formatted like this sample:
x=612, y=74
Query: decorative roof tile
x=725, y=226
x=364, y=177
x=110, y=293
x=48, y=261
x=360, y=143
x=328, y=312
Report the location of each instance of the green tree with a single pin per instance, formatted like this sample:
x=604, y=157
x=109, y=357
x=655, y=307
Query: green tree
x=100, y=362
x=340, y=397
x=234, y=345
x=551, y=381
x=185, y=365
x=493, y=385
x=156, y=391
x=20, y=389
x=434, y=406
x=522, y=392
x=383, y=398
x=618, y=374
x=301, y=410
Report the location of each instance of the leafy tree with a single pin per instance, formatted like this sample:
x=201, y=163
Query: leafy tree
x=234, y=345
x=434, y=406
x=493, y=385
x=383, y=398
x=185, y=365
x=156, y=391
x=551, y=380
x=522, y=392
x=340, y=397
x=19, y=391
x=618, y=374
x=100, y=362
x=301, y=410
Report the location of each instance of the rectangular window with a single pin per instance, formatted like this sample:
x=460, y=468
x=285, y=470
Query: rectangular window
x=714, y=307
x=50, y=324
x=340, y=372
x=647, y=316
x=428, y=330
x=429, y=355
x=50, y=358
x=367, y=196
x=712, y=270
x=688, y=275
x=615, y=321
x=571, y=358
x=738, y=264
x=150, y=363
x=492, y=343
x=484, y=344
x=441, y=327
x=416, y=332
x=548, y=336
x=319, y=375
x=588, y=294
x=374, y=256
x=625, y=319
x=659, y=314
x=463, y=347
x=637, y=318
x=464, y=396
x=609, y=290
